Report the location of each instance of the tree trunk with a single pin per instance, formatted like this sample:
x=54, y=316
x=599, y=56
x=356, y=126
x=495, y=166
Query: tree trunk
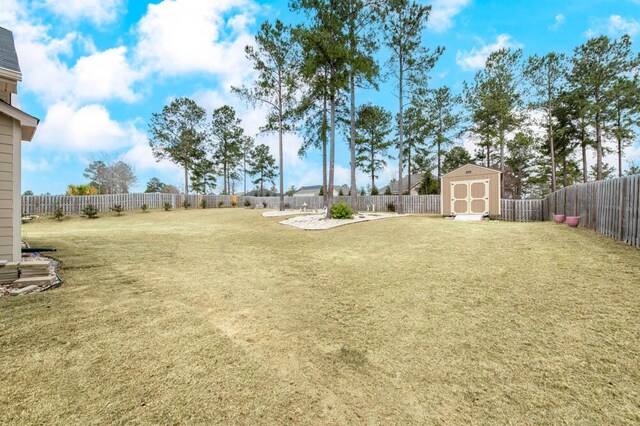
x=409, y=169
x=585, y=176
x=280, y=140
x=553, y=151
x=399, y=207
x=373, y=165
x=325, y=187
x=354, y=189
x=502, y=161
x=619, y=137
x=332, y=150
x=598, y=142
x=186, y=179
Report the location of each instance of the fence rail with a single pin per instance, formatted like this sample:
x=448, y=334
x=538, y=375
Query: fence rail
x=610, y=207
x=512, y=210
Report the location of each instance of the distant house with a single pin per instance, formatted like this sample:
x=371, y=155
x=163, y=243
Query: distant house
x=15, y=126
x=314, y=191
x=415, y=181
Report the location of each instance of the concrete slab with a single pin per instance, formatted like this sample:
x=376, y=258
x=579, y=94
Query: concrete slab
x=468, y=217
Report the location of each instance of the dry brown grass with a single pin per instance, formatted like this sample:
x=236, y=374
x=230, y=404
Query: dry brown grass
x=221, y=316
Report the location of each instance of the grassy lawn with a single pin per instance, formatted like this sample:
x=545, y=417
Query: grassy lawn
x=222, y=316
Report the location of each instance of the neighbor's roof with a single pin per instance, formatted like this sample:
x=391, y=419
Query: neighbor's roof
x=416, y=180
x=8, y=55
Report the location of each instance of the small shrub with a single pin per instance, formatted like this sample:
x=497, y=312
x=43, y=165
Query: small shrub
x=203, y=204
x=90, y=211
x=391, y=207
x=387, y=191
x=117, y=209
x=145, y=208
x=287, y=205
x=220, y=204
x=494, y=217
x=341, y=211
x=374, y=191
x=234, y=203
x=247, y=203
x=58, y=214
x=340, y=193
x=186, y=204
x=167, y=207
x=264, y=204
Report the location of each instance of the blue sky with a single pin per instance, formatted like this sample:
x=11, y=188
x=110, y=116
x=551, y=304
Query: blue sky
x=95, y=70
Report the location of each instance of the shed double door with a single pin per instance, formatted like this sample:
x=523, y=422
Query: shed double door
x=470, y=197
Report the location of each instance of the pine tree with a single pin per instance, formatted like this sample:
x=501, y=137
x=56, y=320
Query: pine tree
x=324, y=47
x=275, y=58
x=373, y=126
x=440, y=105
x=226, y=139
x=262, y=167
x=548, y=77
x=403, y=24
x=596, y=66
x=177, y=134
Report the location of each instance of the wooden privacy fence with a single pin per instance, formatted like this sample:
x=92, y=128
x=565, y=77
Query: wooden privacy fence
x=610, y=207
x=512, y=210
x=521, y=210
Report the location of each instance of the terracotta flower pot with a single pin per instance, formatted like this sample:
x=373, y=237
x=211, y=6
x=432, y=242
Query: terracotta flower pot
x=558, y=218
x=573, y=221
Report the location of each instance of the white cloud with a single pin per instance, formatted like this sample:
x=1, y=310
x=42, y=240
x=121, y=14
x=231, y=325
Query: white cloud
x=477, y=57
x=104, y=75
x=39, y=165
x=89, y=128
x=559, y=20
x=614, y=26
x=98, y=76
x=181, y=36
x=97, y=11
x=443, y=12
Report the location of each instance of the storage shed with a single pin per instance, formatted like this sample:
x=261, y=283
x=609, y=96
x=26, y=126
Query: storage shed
x=15, y=126
x=471, y=189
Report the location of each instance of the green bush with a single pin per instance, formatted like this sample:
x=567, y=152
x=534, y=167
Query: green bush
x=145, y=208
x=117, y=209
x=58, y=214
x=391, y=207
x=167, y=207
x=186, y=204
x=220, y=204
x=388, y=191
x=264, y=204
x=247, y=203
x=341, y=211
x=287, y=206
x=203, y=204
x=374, y=191
x=90, y=211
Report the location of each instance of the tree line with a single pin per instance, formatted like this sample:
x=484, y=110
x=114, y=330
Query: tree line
x=535, y=119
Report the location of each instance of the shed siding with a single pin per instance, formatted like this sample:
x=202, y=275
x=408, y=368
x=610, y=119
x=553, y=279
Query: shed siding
x=471, y=172
x=7, y=187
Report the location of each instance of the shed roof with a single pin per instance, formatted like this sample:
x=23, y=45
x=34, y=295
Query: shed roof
x=472, y=166
x=8, y=55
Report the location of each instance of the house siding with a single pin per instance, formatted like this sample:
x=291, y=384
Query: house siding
x=7, y=187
